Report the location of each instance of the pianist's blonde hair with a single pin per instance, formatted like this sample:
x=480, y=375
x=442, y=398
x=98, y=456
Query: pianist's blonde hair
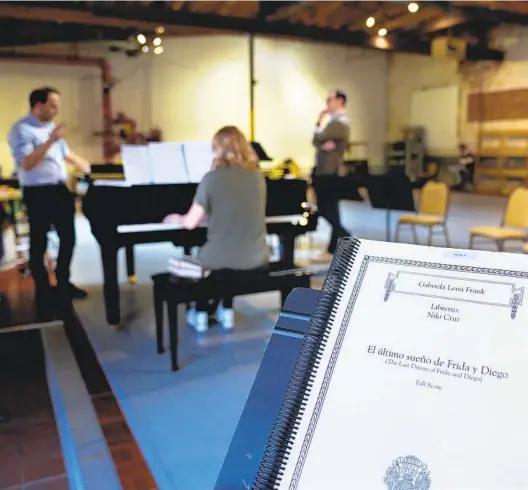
x=232, y=148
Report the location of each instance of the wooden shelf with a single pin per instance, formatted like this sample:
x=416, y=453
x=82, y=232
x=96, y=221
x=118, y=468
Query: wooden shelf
x=502, y=161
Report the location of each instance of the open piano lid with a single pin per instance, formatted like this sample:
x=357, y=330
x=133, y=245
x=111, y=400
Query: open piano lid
x=262, y=155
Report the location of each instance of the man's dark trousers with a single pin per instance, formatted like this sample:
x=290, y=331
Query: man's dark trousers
x=327, y=191
x=49, y=205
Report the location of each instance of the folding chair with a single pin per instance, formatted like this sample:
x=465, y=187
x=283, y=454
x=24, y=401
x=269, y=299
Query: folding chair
x=432, y=212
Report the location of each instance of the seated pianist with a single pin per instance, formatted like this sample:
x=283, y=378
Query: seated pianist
x=233, y=198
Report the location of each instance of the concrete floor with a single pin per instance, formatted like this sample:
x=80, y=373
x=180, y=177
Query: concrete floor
x=183, y=422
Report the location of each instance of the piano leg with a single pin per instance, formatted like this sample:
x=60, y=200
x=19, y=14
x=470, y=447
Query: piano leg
x=187, y=251
x=287, y=248
x=172, y=310
x=130, y=263
x=111, y=285
x=158, y=311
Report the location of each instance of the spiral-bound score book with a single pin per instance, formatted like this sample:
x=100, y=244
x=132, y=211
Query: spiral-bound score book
x=413, y=375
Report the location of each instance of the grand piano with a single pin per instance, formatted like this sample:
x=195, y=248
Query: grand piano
x=122, y=216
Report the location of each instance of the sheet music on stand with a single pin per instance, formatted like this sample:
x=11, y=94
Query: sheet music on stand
x=136, y=164
x=198, y=157
x=164, y=163
x=167, y=163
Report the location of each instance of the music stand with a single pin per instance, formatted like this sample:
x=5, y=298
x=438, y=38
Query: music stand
x=335, y=186
x=106, y=168
x=262, y=407
x=261, y=153
x=392, y=191
x=14, y=183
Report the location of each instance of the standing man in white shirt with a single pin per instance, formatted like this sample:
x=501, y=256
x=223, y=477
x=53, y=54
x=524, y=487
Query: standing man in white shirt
x=331, y=143
x=40, y=154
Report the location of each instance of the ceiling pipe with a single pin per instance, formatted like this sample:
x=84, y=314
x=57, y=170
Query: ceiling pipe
x=106, y=80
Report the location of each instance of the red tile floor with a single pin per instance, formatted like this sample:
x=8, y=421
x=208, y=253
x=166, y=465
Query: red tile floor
x=30, y=453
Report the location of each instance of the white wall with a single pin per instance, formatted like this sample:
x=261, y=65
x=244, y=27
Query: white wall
x=294, y=79
x=80, y=89
x=202, y=83
x=131, y=92
x=409, y=73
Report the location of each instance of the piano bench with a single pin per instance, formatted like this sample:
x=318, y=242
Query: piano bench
x=173, y=291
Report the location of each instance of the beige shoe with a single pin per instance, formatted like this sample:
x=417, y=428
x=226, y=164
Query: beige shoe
x=323, y=258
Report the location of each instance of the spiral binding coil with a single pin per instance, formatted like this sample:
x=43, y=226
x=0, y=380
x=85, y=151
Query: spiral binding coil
x=291, y=412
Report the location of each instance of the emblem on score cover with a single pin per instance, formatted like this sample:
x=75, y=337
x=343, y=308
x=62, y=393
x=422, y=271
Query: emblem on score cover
x=407, y=473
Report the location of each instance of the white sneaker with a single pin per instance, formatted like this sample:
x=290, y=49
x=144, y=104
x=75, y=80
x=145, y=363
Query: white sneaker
x=202, y=322
x=190, y=316
x=225, y=317
x=199, y=320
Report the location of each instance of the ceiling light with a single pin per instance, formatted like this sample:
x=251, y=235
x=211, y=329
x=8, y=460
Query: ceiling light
x=160, y=30
x=156, y=41
x=370, y=22
x=158, y=50
x=145, y=49
x=141, y=39
x=382, y=32
x=381, y=43
x=413, y=7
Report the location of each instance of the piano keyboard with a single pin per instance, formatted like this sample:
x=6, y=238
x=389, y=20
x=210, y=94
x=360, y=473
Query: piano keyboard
x=294, y=219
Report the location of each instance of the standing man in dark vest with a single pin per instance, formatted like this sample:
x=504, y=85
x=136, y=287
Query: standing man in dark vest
x=40, y=154
x=331, y=142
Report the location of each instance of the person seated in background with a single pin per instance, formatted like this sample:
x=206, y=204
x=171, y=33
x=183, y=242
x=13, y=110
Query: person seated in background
x=233, y=198
x=466, y=161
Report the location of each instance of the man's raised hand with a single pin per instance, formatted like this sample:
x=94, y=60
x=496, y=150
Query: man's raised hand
x=58, y=133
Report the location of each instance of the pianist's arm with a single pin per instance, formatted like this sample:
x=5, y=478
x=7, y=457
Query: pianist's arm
x=194, y=216
x=199, y=208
